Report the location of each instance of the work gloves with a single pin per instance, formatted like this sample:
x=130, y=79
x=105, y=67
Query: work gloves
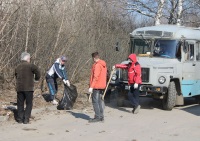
x=135, y=86
x=90, y=90
x=66, y=82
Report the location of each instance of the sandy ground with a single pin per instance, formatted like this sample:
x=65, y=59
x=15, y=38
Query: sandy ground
x=152, y=123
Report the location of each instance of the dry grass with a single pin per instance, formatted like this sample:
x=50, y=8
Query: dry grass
x=7, y=97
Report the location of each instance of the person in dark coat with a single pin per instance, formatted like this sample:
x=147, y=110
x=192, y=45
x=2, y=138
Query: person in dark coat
x=25, y=74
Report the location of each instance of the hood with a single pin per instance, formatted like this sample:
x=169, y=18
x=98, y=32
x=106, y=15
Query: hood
x=102, y=62
x=133, y=58
x=57, y=60
x=157, y=62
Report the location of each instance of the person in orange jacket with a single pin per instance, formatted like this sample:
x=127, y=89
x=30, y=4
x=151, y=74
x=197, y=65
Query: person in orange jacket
x=97, y=86
x=134, y=80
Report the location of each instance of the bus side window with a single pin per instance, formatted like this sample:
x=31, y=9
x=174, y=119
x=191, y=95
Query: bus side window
x=178, y=52
x=191, y=52
x=198, y=52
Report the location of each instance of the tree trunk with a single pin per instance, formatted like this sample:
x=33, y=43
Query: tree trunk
x=180, y=10
x=159, y=12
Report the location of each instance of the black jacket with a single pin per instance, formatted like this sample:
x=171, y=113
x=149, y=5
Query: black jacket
x=25, y=74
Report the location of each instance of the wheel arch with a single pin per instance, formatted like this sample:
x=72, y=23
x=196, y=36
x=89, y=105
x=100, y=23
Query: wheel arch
x=179, y=96
x=178, y=85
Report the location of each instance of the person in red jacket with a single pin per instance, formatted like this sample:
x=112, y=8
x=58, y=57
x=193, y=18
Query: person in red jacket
x=97, y=86
x=134, y=80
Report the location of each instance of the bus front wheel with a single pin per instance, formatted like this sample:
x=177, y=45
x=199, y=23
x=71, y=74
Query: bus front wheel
x=169, y=99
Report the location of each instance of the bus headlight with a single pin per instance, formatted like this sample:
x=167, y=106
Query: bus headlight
x=162, y=80
x=114, y=77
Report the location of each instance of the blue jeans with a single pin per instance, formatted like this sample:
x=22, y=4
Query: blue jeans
x=133, y=96
x=98, y=103
x=52, y=85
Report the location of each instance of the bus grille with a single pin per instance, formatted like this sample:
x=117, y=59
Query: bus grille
x=124, y=75
x=145, y=74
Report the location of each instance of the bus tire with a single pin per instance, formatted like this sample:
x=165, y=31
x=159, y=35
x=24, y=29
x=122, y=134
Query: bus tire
x=169, y=100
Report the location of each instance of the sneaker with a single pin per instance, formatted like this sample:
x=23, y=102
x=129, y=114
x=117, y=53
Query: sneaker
x=133, y=110
x=26, y=122
x=102, y=119
x=136, y=110
x=20, y=121
x=54, y=102
x=93, y=120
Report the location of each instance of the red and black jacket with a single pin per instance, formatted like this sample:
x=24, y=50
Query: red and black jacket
x=134, y=70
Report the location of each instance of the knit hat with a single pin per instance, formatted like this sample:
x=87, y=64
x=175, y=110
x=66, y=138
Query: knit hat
x=63, y=58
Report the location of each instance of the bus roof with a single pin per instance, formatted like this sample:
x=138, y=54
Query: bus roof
x=168, y=31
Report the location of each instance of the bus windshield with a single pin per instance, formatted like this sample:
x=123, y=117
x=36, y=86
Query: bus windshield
x=139, y=46
x=162, y=48
x=165, y=48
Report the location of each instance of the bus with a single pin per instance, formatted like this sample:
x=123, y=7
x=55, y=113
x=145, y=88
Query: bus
x=169, y=56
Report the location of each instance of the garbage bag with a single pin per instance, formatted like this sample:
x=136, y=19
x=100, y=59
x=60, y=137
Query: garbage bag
x=69, y=97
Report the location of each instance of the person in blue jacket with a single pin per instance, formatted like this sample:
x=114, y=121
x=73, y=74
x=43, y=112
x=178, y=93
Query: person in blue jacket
x=57, y=70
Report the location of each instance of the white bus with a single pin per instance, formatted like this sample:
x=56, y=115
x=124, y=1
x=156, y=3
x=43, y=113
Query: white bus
x=170, y=59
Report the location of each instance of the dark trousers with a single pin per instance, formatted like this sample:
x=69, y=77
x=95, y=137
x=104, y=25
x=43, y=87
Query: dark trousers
x=52, y=85
x=98, y=103
x=133, y=96
x=24, y=114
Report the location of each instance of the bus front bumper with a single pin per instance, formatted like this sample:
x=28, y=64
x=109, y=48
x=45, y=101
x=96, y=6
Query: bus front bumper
x=153, y=89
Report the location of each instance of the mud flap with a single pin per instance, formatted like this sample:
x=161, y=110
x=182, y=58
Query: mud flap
x=179, y=100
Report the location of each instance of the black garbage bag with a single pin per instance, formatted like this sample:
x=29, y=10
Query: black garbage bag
x=69, y=97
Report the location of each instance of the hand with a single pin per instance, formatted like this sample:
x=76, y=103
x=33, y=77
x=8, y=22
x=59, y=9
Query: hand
x=66, y=82
x=129, y=87
x=90, y=90
x=135, y=86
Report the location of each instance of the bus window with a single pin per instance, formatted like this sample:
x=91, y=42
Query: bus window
x=140, y=46
x=190, y=56
x=198, y=53
x=165, y=48
x=178, y=52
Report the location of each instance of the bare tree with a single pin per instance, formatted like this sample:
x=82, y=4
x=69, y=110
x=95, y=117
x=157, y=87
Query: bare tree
x=180, y=10
x=50, y=28
x=167, y=11
x=159, y=12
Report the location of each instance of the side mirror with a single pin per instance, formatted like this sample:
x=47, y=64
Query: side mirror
x=117, y=46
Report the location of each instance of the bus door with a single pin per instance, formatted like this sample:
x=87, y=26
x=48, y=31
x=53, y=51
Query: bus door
x=188, y=70
x=197, y=68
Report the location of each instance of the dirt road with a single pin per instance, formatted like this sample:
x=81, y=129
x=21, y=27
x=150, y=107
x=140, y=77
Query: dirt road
x=152, y=123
